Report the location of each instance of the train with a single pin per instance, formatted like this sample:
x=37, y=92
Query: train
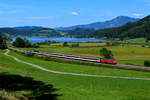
x=73, y=57
x=108, y=61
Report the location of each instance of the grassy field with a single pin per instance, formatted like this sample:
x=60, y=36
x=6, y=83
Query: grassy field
x=137, y=40
x=81, y=88
x=126, y=54
x=81, y=44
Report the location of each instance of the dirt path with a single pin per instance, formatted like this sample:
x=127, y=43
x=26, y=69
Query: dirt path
x=74, y=74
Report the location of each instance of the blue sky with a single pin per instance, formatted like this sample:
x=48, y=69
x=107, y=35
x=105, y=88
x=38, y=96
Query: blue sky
x=57, y=13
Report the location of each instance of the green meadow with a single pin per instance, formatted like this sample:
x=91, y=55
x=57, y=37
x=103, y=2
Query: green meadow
x=124, y=54
x=79, y=87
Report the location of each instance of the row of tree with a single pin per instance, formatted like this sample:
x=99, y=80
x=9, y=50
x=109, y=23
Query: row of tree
x=43, y=32
x=65, y=44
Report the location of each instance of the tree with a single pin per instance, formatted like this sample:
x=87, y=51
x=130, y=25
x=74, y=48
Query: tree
x=106, y=53
x=2, y=43
x=22, y=43
x=27, y=43
x=65, y=44
x=19, y=42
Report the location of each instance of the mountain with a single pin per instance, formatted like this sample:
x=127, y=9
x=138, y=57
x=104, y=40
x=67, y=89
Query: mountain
x=137, y=29
x=38, y=32
x=116, y=22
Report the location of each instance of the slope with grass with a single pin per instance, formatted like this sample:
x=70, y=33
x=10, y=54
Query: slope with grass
x=81, y=88
x=126, y=54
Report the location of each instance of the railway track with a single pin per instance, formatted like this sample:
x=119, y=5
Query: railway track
x=73, y=74
x=84, y=58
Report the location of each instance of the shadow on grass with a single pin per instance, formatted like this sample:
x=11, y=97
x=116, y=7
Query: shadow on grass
x=39, y=90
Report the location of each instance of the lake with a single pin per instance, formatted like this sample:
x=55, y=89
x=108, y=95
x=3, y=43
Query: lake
x=62, y=39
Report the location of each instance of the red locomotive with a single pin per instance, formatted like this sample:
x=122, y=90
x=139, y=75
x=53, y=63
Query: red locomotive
x=108, y=61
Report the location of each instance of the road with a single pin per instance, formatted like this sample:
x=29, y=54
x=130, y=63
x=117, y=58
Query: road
x=73, y=74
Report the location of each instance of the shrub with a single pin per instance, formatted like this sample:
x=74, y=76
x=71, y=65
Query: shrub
x=143, y=46
x=29, y=54
x=47, y=58
x=146, y=63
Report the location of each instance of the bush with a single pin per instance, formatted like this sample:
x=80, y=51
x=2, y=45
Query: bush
x=29, y=54
x=143, y=46
x=47, y=58
x=146, y=63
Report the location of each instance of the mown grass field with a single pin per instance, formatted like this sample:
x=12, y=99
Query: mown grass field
x=81, y=44
x=137, y=40
x=81, y=88
x=125, y=54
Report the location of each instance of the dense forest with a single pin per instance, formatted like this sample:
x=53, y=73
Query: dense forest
x=137, y=29
x=79, y=32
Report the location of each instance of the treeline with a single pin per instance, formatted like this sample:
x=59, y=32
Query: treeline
x=43, y=32
x=137, y=29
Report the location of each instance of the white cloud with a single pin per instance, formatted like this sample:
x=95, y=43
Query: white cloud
x=74, y=13
x=137, y=15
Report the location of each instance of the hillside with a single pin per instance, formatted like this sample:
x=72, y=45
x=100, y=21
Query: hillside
x=40, y=32
x=79, y=32
x=116, y=22
x=28, y=27
x=130, y=30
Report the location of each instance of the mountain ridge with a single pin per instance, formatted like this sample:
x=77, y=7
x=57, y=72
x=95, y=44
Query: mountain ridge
x=136, y=29
x=116, y=22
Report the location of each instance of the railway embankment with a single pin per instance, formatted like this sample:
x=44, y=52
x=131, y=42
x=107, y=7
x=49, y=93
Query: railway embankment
x=80, y=62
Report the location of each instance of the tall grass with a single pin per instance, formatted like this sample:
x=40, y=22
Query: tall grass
x=5, y=95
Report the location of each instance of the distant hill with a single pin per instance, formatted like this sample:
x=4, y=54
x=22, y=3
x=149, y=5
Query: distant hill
x=39, y=32
x=116, y=22
x=79, y=32
x=28, y=27
x=137, y=29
